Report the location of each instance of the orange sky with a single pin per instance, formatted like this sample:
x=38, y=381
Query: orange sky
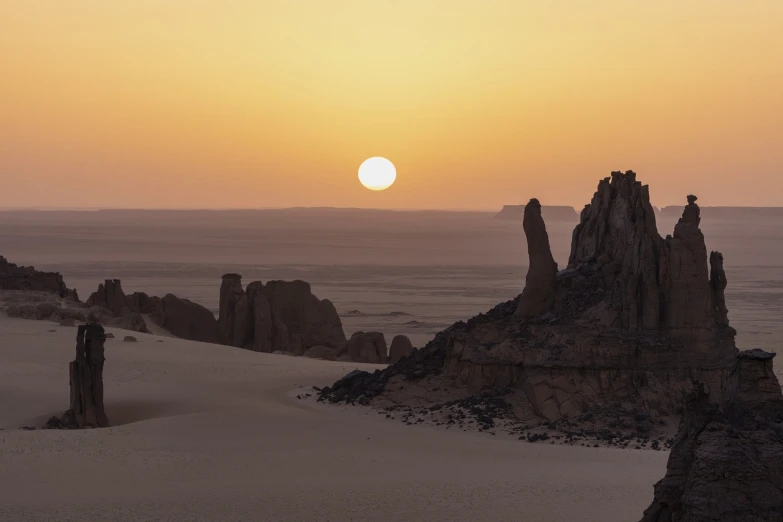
x=194, y=103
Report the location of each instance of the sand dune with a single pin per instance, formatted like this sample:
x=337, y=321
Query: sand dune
x=215, y=433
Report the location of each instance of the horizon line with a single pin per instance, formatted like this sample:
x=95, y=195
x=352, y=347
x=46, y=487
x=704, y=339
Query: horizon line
x=302, y=207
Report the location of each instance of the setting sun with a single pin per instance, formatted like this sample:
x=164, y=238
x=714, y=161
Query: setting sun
x=377, y=173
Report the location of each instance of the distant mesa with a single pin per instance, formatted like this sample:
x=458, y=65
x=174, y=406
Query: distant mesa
x=549, y=212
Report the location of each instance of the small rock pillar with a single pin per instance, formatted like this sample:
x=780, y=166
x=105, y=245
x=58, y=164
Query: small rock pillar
x=86, y=381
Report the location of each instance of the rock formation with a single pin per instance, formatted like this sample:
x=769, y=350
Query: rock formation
x=727, y=461
x=86, y=382
x=539, y=292
x=628, y=326
x=235, y=317
x=13, y=277
x=276, y=316
x=180, y=317
x=400, y=347
x=366, y=347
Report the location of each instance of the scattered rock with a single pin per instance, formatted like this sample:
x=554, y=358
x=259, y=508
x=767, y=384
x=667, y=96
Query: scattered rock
x=129, y=339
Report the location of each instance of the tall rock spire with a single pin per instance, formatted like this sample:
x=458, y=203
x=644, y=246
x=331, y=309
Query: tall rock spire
x=539, y=292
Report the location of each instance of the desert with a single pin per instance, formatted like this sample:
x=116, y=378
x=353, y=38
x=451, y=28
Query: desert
x=187, y=416
x=391, y=260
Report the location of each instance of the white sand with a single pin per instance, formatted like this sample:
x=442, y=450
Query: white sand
x=216, y=433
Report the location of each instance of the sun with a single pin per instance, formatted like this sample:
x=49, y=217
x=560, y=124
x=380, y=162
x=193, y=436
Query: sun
x=377, y=173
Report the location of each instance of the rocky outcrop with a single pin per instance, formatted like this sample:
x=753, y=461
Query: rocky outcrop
x=727, y=459
x=276, y=316
x=366, y=347
x=400, y=347
x=180, y=317
x=86, y=381
x=185, y=319
x=235, y=318
x=628, y=326
x=13, y=277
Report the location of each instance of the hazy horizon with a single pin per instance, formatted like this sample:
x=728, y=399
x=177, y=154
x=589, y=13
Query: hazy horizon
x=235, y=104
x=369, y=209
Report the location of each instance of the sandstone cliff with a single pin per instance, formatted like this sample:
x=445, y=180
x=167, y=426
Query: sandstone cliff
x=629, y=325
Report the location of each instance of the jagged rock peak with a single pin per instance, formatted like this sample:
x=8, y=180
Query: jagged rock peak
x=539, y=292
x=618, y=218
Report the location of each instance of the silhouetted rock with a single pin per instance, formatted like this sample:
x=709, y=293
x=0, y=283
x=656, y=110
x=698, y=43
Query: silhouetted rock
x=400, y=347
x=86, y=382
x=129, y=339
x=186, y=319
x=718, y=285
x=367, y=347
x=234, y=318
x=180, y=317
x=111, y=297
x=278, y=315
x=538, y=296
x=626, y=328
x=14, y=277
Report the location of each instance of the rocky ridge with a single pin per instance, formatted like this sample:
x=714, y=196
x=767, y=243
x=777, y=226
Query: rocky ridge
x=180, y=317
x=14, y=277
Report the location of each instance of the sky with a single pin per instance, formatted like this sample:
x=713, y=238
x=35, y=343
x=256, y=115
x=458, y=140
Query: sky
x=259, y=104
